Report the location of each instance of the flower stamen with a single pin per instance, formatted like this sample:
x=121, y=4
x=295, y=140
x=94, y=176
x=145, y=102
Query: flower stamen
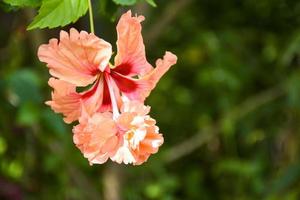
x=114, y=104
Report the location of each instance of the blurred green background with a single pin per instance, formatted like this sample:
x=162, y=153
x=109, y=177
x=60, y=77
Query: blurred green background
x=229, y=110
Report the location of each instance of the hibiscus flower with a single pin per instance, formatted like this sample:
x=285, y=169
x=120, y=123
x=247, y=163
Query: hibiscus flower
x=80, y=61
x=130, y=138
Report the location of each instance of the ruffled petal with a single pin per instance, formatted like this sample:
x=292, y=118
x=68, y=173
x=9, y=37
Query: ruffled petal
x=131, y=59
x=139, y=89
x=95, y=136
x=123, y=155
x=162, y=66
x=139, y=132
x=65, y=99
x=134, y=107
x=148, y=146
x=77, y=57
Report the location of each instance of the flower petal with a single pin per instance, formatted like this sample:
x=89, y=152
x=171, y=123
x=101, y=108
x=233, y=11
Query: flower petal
x=162, y=66
x=140, y=138
x=131, y=59
x=148, y=146
x=139, y=89
x=77, y=57
x=93, y=98
x=95, y=136
x=65, y=99
x=134, y=106
x=123, y=155
x=132, y=88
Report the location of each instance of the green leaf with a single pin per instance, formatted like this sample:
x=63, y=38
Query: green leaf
x=23, y=3
x=28, y=114
x=54, y=13
x=125, y=2
x=151, y=2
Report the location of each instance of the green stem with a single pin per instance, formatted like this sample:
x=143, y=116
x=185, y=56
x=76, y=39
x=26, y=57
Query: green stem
x=91, y=17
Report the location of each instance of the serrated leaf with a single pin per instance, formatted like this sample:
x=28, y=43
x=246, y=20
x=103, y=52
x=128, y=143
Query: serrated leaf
x=54, y=13
x=23, y=3
x=151, y=2
x=125, y=2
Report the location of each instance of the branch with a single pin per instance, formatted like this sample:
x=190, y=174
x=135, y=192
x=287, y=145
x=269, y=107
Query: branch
x=205, y=136
x=189, y=145
x=252, y=103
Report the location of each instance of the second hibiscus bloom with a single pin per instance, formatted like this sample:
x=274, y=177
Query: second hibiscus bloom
x=113, y=122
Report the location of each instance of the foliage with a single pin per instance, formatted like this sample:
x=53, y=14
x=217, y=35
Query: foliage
x=54, y=13
x=23, y=3
x=234, y=95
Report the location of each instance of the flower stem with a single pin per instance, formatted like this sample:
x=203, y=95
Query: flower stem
x=91, y=16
